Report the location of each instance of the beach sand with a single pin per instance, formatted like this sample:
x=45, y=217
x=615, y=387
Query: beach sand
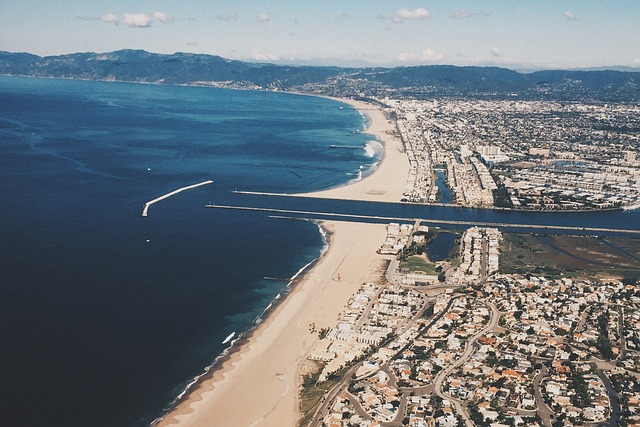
x=388, y=181
x=258, y=385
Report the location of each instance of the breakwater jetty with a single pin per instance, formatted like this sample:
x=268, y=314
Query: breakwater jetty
x=330, y=215
x=145, y=209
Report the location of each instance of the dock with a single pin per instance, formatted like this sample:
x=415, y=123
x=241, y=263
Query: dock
x=145, y=209
x=350, y=147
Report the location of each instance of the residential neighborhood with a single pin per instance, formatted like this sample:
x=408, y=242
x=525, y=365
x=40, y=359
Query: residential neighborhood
x=481, y=348
x=534, y=155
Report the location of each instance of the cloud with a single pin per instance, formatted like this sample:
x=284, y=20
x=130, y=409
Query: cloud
x=263, y=17
x=136, y=20
x=462, y=14
x=427, y=55
x=495, y=52
x=228, y=17
x=110, y=18
x=418, y=14
x=636, y=62
x=162, y=17
x=570, y=16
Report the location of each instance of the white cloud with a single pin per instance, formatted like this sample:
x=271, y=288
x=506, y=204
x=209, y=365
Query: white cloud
x=110, y=18
x=137, y=20
x=162, y=17
x=427, y=55
x=570, y=16
x=462, y=14
x=410, y=15
x=263, y=17
x=495, y=52
x=636, y=62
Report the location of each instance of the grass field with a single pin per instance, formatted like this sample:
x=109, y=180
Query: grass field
x=419, y=263
x=570, y=256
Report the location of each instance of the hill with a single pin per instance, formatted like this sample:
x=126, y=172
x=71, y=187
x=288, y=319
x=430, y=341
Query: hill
x=420, y=81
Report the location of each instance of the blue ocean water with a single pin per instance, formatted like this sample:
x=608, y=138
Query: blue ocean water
x=106, y=315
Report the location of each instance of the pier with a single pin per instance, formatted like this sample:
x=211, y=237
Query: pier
x=350, y=147
x=330, y=215
x=145, y=209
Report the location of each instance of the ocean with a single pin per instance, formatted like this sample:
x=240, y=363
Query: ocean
x=107, y=316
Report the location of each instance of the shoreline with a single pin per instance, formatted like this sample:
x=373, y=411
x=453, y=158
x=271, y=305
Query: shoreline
x=258, y=383
x=388, y=180
x=243, y=339
x=264, y=362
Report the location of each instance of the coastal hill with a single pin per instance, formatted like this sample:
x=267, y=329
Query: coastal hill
x=418, y=81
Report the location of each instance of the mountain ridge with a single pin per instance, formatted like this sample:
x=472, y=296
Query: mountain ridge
x=183, y=68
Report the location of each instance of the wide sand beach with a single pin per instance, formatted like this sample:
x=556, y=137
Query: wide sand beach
x=388, y=181
x=258, y=384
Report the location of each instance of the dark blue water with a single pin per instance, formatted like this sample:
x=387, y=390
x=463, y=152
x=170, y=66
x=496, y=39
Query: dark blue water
x=107, y=315
x=439, y=247
x=445, y=193
x=435, y=216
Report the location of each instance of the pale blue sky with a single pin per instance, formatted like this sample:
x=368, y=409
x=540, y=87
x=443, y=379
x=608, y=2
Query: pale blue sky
x=511, y=33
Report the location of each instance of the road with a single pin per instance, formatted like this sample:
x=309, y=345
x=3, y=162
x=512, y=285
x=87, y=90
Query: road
x=331, y=395
x=545, y=413
x=468, y=351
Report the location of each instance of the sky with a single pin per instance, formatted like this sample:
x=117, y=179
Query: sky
x=517, y=34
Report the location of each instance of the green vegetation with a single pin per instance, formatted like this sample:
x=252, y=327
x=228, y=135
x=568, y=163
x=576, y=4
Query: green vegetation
x=581, y=399
x=569, y=256
x=603, y=343
x=312, y=392
x=418, y=263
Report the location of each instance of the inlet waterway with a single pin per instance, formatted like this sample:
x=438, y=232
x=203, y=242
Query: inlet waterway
x=595, y=222
x=444, y=192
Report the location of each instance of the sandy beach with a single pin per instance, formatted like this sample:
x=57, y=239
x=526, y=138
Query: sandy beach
x=258, y=385
x=388, y=181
